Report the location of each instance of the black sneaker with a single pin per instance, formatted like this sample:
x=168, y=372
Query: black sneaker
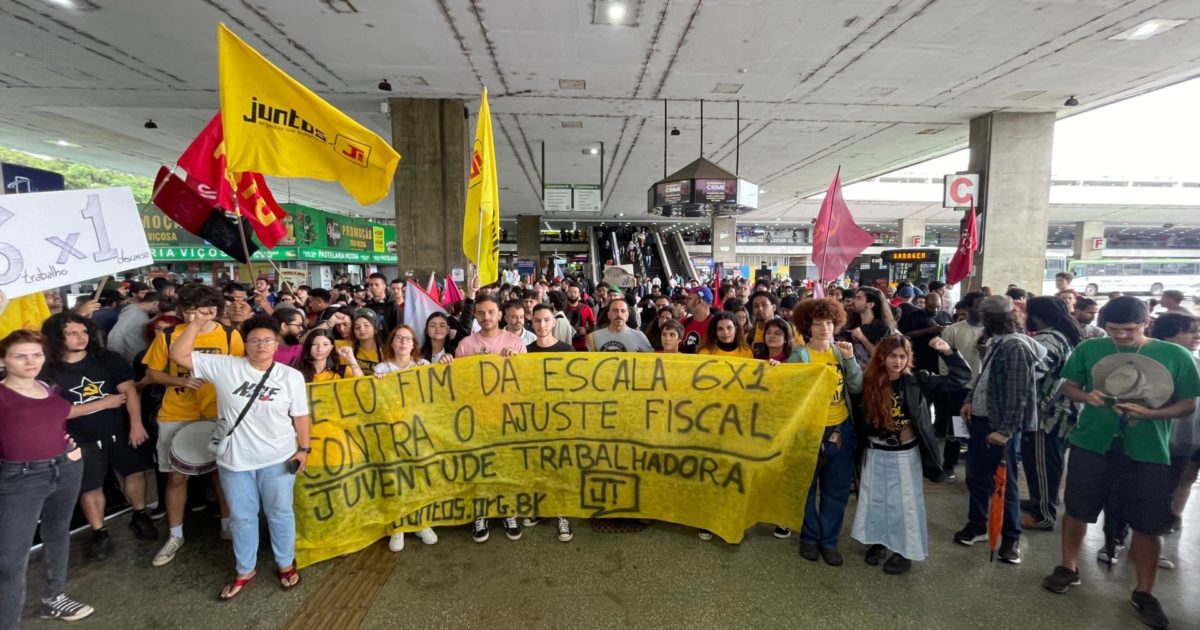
x=831, y=556
x=970, y=534
x=512, y=529
x=808, y=551
x=1010, y=551
x=897, y=565
x=1060, y=580
x=479, y=531
x=99, y=546
x=1148, y=610
x=875, y=554
x=142, y=527
x=67, y=609
x=159, y=512
x=782, y=532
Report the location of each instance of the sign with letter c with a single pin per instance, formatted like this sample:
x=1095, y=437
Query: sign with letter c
x=960, y=189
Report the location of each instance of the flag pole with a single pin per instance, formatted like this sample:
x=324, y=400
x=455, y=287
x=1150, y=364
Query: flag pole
x=237, y=212
x=825, y=248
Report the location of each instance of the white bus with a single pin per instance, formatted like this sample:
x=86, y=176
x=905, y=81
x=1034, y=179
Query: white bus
x=1056, y=262
x=1134, y=275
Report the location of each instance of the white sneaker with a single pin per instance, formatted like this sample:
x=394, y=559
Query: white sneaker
x=704, y=534
x=167, y=553
x=226, y=533
x=531, y=521
x=427, y=536
x=564, y=530
x=1164, y=563
x=396, y=542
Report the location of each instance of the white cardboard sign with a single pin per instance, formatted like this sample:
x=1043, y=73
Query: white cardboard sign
x=52, y=239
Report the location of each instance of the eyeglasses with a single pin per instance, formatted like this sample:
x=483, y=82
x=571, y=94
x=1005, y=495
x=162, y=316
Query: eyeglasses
x=263, y=341
x=408, y=339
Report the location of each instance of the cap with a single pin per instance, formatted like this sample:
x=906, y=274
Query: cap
x=702, y=291
x=358, y=288
x=137, y=287
x=996, y=304
x=109, y=296
x=905, y=292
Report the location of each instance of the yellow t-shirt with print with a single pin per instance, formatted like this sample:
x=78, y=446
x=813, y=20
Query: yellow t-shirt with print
x=181, y=404
x=327, y=376
x=838, y=411
x=740, y=352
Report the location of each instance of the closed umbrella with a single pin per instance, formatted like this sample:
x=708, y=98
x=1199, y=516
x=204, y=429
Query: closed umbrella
x=996, y=508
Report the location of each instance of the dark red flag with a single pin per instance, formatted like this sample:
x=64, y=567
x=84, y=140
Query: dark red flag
x=837, y=239
x=964, y=256
x=187, y=207
x=204, y=161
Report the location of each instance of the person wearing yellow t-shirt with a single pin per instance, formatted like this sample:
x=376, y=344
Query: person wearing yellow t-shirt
x=318, y=362
x=723, y=339
x=823, y=515
x=366, y=342
x=187, y=399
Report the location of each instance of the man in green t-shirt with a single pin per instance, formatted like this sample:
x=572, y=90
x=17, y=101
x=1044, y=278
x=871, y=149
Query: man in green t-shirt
x=1120, y=456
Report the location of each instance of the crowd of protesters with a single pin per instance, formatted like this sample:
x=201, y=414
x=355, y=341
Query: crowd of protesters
x=1030, y=379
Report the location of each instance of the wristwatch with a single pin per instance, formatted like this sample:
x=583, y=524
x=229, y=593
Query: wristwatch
x=305, y=449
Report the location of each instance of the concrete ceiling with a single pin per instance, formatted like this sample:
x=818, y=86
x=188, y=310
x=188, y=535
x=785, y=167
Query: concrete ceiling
x=870, y=85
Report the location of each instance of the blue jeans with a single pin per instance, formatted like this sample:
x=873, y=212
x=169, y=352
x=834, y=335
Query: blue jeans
x=44, y=489
x=823, y=515
x=271, y=489
x=982, y=460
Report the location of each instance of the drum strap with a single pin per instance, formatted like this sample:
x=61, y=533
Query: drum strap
x=253, y=396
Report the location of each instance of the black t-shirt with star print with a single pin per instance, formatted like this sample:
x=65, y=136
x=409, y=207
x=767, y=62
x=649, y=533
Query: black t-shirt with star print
x=93, y=378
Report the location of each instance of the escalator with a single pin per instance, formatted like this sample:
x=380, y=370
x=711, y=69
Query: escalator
x=593, y=263
x=676, y=254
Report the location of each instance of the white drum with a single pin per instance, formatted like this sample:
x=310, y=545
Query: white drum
x=189, y=448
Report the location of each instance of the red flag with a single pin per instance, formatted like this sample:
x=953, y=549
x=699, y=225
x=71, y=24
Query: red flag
x=837, y=238
x=964, y=256
x=432, y=288
x=451, y=295
x=718, y=272
x=204, y=161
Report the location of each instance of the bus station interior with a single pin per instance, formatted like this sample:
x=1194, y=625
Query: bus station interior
x=617, y=94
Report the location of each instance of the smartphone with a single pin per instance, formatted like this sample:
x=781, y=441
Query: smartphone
x=293, y=466
x=1110, y=400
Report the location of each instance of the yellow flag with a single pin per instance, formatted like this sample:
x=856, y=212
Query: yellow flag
x=27, y=311
x=275, y=126
x=481, y=223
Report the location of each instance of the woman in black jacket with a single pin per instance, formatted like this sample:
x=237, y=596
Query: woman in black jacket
x=900, y=445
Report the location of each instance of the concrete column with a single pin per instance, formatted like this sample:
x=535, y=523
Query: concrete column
x=430, y=187
x=1085, y=231
x=912, y=229
x=529, y=239
x=724, y=240
x=1012, y=151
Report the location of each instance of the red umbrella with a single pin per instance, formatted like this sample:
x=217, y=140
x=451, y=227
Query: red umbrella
x=996, y=508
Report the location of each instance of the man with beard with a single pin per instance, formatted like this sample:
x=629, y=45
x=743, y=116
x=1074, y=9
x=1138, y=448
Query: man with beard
x=617, y=336
x=580, y=315
x=1085, y=313
x=695, y=327
x=291, y=327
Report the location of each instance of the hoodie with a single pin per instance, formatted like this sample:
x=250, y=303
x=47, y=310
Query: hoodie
x=128, y=335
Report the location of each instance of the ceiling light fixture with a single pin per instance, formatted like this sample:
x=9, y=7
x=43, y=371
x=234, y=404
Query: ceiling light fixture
x=674, y=131
x=1148, y=29
x=150, y=124
x=385, y=86
x=61, y=143
x=1071, y=102
x=593, y=151
x=616, y=11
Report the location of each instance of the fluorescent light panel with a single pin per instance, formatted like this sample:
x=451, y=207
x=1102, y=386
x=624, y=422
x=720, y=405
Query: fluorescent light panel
x=1148, y=29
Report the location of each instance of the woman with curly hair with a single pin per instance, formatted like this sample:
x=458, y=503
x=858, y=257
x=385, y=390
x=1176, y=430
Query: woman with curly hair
x=818, y=320
x=900, y=445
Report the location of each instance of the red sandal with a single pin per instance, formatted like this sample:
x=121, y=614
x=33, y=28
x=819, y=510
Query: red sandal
x=285, y=578
x=238, y=584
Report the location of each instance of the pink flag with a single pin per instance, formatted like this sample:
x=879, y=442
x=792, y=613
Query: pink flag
x=451, y=295
x=964, y=256
x=432, y=288
x=418, y=306
x=837, y=238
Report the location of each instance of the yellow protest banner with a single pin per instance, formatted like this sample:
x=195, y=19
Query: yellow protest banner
x=719, y=444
